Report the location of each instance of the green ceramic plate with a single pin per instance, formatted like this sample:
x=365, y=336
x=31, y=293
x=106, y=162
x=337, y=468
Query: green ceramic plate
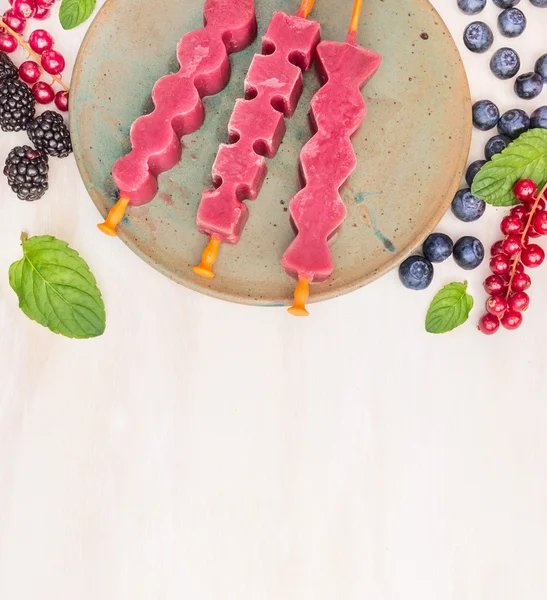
x=411, y=150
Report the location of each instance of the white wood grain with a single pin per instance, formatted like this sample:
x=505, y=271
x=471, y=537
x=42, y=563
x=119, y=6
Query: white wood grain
x=209, y=451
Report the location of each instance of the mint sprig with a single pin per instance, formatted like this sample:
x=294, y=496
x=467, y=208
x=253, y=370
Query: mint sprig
x=525, y=158
x=449, y=309
x=56, y=288
x=74, y=12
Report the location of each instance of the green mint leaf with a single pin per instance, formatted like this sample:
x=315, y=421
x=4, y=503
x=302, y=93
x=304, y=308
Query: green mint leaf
x=74, y=12
x=525, y=158
x=449, y=309
x=56, y=288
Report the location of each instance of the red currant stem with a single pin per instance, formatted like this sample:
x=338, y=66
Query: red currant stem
x=523, y=237
x=31, y=52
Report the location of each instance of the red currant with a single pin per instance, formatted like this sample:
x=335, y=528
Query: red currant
x=510, y=224
x=519, y=268
x=530, y=205
x=525, y=189
x=43, y=93
x=41, y=13
x=497, y=248
x=519, y=211
x=500, y=265
x=40, y=41
x=489, y=324
x=61, y=100
x=494, y=285
x=539, y=222
x=532, y=256
x=45, y=3
x=519, y=301
x=511, y=319
x=496, y=305
x=8, y=43
x=14, y=22
x=53, y=62
x=24, y=9
x=521, y=282
x=29, y=72
x=512, y=245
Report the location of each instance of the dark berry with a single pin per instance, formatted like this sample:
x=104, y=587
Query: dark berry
x=538, y=119
x=524, y=190
x=489, y=324
x=532, y=256
x=521, y=282
x=511, y=320
x=496, y=305
x=539, y=3
x=467, y=207
x=519, y=301
x=17, y=105
x=505, y=63
x=541, y=67
x=478, y=37
x=494, y=285
x=468, y=252
x=496, y=145
x=511, y=22
x=471, y=7
x=7, y=69
x=485, y=115
x=27, y=172
x=528, y=86
x=505, y=3
x=513, y=123
x=472, y=171
x=416, y=273
x=49, y=133
x=437, y=247
x=500, y=264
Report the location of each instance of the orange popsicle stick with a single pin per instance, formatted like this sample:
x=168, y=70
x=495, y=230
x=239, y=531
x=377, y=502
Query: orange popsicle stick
x=114, y=217
x=354, y=23
x=208, y=258
x=305, y=8
x=301, y=295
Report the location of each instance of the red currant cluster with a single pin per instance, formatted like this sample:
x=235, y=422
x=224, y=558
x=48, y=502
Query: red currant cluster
x=39, y=46
x=509, y=282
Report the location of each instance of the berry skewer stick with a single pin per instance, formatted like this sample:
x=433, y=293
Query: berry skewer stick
x=272, y=90
x=328, y=159
x=204, y=70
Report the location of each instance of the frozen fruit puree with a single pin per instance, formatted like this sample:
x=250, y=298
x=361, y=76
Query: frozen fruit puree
x=272, y=89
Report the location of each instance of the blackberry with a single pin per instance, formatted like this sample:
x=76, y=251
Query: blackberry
x=49, y=133
x=27, y=171
x=17, y=105
x=7, y=69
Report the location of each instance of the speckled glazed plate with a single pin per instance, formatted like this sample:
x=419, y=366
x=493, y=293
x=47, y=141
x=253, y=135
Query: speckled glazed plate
x=411, y=149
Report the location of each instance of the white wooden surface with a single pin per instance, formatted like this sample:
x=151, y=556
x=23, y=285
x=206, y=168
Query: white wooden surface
x=208, y=451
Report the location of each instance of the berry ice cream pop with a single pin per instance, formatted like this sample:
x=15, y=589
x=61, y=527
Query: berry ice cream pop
x=272, y=89
x=328, y=159
x=204, y=70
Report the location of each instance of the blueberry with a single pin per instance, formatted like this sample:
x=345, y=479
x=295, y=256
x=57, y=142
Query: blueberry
x=472, y=171
x=495, y=145
x=538, y=120
x=505, y=63
x=528, y=86
x=505, y=3
x=438, y=247
x=541, y=67
x=511, y=22
x=468, y=252
x=471, y=7
x=478, y=37
x=513, y=123
x=467, y=207
x=485, y=115
x=416, y=273
x=539, y=3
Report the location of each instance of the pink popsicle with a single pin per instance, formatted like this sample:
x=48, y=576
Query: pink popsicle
x=204, y=70
x=272, y=89
x=328, y=159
